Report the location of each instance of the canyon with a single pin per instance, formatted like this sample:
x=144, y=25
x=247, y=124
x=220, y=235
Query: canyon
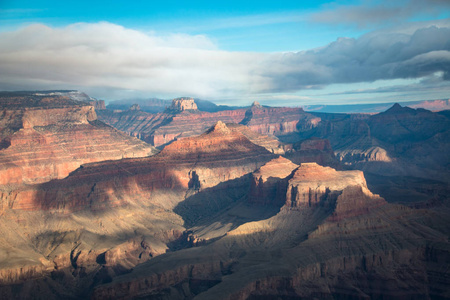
x=184, y=120
x=253, y=203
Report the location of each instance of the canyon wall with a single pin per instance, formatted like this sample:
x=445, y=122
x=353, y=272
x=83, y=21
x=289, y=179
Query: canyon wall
x=43, y=141
x=183, y=120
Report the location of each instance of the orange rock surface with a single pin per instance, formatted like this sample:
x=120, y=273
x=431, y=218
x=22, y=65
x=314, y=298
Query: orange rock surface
x=160, y=129
x=312, y=184
x=53, y=137
x=192, y=163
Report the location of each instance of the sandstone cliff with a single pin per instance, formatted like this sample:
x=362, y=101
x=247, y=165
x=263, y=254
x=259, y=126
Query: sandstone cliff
x=183, y=119
x=278, y=120
x=256, y=225
x=201, y=162
x=347, y=249
x=113, y=215
x=44, y=138
x=182, y=104
x=398, y=142
x=269, y=183
x=313, y=185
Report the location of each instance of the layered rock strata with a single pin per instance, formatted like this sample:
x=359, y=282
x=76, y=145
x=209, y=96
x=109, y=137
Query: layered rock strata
x=313, y=150
x=278, y=120
x=184, y=120
x=313, y=185
x=113, y=215
x=398, y=142
x=182, y=104
x=44, y=138
x=192, y=163
x=269, y=183
x=350, y=249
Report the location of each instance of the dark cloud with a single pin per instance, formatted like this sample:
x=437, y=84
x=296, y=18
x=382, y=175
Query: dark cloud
x=366, y=59
x=434, y=83
x=370, y=12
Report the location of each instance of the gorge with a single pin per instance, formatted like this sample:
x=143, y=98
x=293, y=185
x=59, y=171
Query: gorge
x=251, y=203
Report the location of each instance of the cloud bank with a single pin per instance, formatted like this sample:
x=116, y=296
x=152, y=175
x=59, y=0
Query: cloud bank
x=376, y=12
x=110, y=58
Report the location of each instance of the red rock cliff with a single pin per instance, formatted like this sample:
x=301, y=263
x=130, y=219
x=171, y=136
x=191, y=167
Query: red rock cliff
x=192, y=163
x=51, y=138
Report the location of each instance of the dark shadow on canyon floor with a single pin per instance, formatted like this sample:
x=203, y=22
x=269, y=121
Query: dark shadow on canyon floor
x=407, y=190
x=225, y=205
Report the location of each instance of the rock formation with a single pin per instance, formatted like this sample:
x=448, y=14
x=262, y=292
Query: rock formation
x=182, y=104
x=278, y=120
x=218, y=155
x=312, y=150
x=102, y=201
x=313, y=185
x=269, y=183
x=347, y=249
x=212, y=216
x=183, y=119
x=399, y=142
x=161, y=129
x=135, y=107
x=98, y=104
x=44, y=138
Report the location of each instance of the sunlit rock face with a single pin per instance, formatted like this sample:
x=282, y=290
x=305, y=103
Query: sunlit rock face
x=278, y=120
x=182, y=104
x=199, y=162
x=182, y=119
x=47, y=137
x=116, y=214
x=313, y=185
x=336, y=239
x=98, y=104
x=398, y=142
x=213, y=216
x=269, y=183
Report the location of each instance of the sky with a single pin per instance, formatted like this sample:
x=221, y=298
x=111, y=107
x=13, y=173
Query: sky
x=231, y=52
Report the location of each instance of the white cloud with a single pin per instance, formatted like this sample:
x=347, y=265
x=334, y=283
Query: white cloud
x=108, y=60
x=108, y=55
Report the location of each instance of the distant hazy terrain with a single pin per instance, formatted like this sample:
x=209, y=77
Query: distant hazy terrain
x=433, y=105
x=155, y=105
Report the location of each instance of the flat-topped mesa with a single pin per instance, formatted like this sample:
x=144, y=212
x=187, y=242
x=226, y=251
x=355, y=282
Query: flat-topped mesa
x=182, y=104
x=278, y=120
x=313, y=185
x=269, y=183
x=276, y=168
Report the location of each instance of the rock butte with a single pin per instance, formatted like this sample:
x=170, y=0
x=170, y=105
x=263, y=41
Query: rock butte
x=183, y=119
x=302, y=252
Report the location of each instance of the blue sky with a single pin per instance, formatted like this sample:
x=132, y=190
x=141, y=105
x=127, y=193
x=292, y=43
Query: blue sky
x=232, y=52
x=262, y=26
